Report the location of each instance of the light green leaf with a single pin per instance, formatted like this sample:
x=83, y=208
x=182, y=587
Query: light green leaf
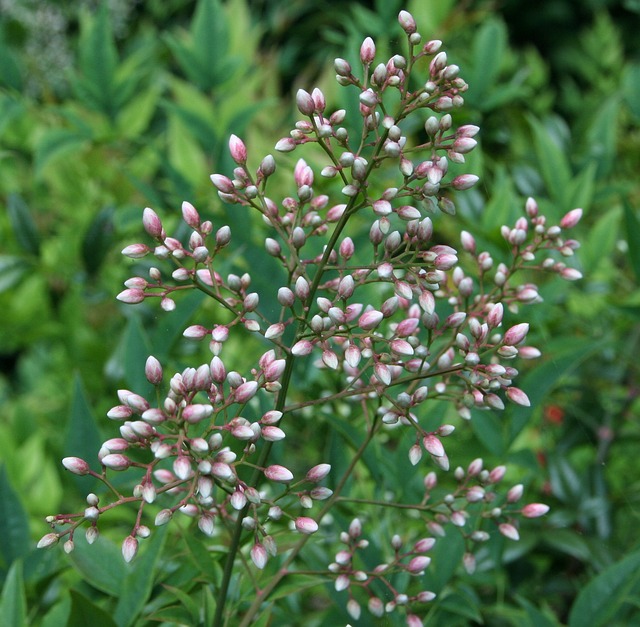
x=22, y=224
x=12, y=269
x=58, y=143
x=633, y=237
x=13, y=604
x=14, y=524
x=601, y=600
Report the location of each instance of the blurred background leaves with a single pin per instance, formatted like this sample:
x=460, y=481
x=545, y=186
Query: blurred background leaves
x=108, y=107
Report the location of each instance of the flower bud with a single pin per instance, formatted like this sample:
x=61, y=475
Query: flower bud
x=76, y=465
x=129, y=548
x=278, y=473
x=306, y=525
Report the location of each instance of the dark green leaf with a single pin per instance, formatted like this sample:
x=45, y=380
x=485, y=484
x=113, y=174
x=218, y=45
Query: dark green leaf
x=603, y=597
x=631, y=87
x=58, y=143
x=138, y=583
x=59, y=614
x=137, y=349
x=98, y=240
x=100, y=564
x=12, y=269
x=14, y=524
x=83, y=437
x=488, y=52
x=501, y=206
x=199, y=128
x=552, y=162
x=13, y=604
x=633, y=237
x=85, y=612
x=22, y=224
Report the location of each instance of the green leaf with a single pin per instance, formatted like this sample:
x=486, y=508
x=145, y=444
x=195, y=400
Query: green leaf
x=536, y=617
x=22, y=224
x=12, y=269
x=83, y=437
x=134, y=118
x=489, y=46
x=502, y=206
x=580, y=191
x=13, y=604
x=489, y=428
x=100, y=564
x=14, y=524
x=602, y=136
x=631, y=88
x=137, y=349
x=604, y=597
x=600, y=241
x=98, y=60
x=57, y=143
x=138, y=583
x=84, y=612
x=633, y=237
x=552, y=162
x=59, y=614
x=98, y=240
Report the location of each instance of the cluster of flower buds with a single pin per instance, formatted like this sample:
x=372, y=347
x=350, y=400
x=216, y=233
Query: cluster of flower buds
x=394, y=322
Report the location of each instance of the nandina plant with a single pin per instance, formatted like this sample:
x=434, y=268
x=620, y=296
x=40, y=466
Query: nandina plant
x=370, y=326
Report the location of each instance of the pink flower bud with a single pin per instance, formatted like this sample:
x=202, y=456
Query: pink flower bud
x=305, y=102
x=129, y=548
x=76, y=465
x=259, y=555
x=516, y=334
x=534, y=510
x=238, y=150
x=302, y=348
x=433, y=445
x=318, y=473
x=367, y=51
x=116, y=461
x=136, y=251
x=151, y=222
x=131, y=296
x=571, y=219
x=182, y=467
x=286, y=144
x=515, y=493
x=509, y=531
x=465, y=181
x=497, y=474
x=355, y=528
x=370, y=320
x=418, y=564
x=48, y=540
x=517, y=396
x=407, y=22
x=223, y=183
x=246, y=391
x=153, y=370
x=278, y=473
x=570, y=274
x=424, y=545
x=306, y=525
x=197, y=412
x=414, y=621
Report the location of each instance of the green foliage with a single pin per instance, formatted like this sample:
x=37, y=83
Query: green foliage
x=142, y=121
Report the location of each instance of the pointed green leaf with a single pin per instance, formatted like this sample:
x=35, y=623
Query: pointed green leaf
x=85, y=612
x=83, y=437
x=56, y=144
x=12, y=269
x=633, y=237
x=22, y=224
x=631, y=88
x=210, y=40
x=580, y=192
x=489, y=46
x=13, y=604
x=97, y=241
x=604, y=596
x=14, y=524
x=138, y=583
x=59, y=614
x=100, y=564
x=600, y=241
x=552, y=162
x=134, y=118
x=98, y=59
x=501, y=207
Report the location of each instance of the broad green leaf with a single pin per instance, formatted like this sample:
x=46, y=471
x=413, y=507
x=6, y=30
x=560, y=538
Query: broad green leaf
x=14, y=524
x=502, y=205
x=98, y=239
x=11, y=75
x=137, y=349
x=10, y=108
x=489, y=46
x=602, y=136
x=568, y=543
x=566, y=355
x=83, y=437
x=13, y=603
x=22, y=224
x=134, y=118
x=12, y=269
x=98, y=60
x=59, y=614
x=100, y=564
x=465, y=605
x=85, y=612
x=536, y=617
x=185, y=154
x=600, y=601
x=489, y=428
x=58, y=143
x=631, y=88
x=633, y=237
x=197, y=126
x=190, y=604
x=446, y=560
x=139, y=580
x=600, y=241
x=580, y=192
x=552, y=162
